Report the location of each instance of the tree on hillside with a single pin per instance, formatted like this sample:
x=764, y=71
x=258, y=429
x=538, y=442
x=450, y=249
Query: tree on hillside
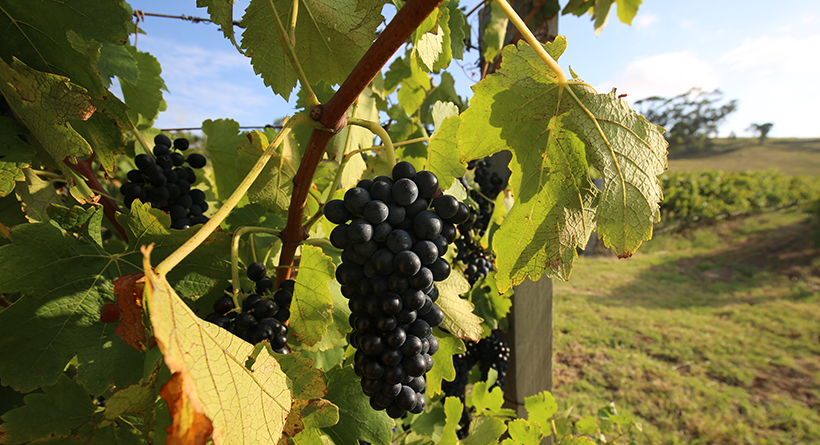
x=690, y=119
x=761, y=130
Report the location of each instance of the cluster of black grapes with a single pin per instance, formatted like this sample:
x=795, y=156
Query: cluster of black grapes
x=263, y=315
x=166, y=182
x=391, y=258
x=477, y=261
x=489, y=353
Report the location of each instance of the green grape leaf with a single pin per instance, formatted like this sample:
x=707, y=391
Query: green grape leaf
x=79, y=220
x=601, y=14
x=144, y=97
x=428, y=48
x=413, y=83
x=117, y=60
x=221, y=13
x=540, y=409
x=16, y=154
x=307, y=382
x=523, y=433
x=104, y=136
x=440, y=111
x=484, y=430
x=357, y=420
x=443, y=92
x=58, y=410
x=59, y=318
x=495, y=31
x=311, y=436
x=331, y=32
x=484, y=399
x=443, y=368
x=36, y=195
x=274, y=186
x=431, y=423
x=489, y=304
x=452, y=415
x=336, y=331
x=588, y=425
x=458, y=313
x=312, y=306
x=222, y=143
x=46, y=103
x=139, y=399
x=627, y=10
x=211, y=363
x=554, y=135
x=36, y=34
x=442, y=153
x=458, y=33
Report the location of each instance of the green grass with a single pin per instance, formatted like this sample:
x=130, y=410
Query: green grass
x=791, y=156
x=712, y=337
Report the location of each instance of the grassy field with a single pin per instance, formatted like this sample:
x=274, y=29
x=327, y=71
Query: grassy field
x=709, y=337
x=792, y=156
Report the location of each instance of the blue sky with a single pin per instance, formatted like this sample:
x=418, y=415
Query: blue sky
x=767, y=57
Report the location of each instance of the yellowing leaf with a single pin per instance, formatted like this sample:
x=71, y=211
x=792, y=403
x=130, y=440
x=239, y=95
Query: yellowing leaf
x=458, y=313
x=245, y=406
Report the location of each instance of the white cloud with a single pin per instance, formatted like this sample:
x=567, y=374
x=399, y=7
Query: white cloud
x=644, y=21
x=664, y=75
x=211, y=84
x=775, y=80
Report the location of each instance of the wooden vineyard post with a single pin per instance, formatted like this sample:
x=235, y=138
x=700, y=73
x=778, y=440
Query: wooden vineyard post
x=530, y=340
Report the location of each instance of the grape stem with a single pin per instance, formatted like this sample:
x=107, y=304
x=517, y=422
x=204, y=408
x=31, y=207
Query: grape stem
x=169, y=263
x=561, y=76
x=332, y=115
x=285, y=40
x=142, y=142
x=379, y=131
x=293, y=18
x=235, y=282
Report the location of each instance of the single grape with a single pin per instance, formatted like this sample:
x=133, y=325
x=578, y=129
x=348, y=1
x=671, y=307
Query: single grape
x=250, y=301
x=396, y=338
x=244, y=321
x=223, y=305
x=414, y=366
x=219, y=320
x=196, y=160
x=162, y=139
x=446, y=206
x=405, y=191
x=336, y=212
x=256, y=271
x=403, y=169
x=356, y=199
x=427, y=183
x=181, y=144
x=264, y=309
x=376, y=212
x=440, y=269
x=407, y=263
x=427, y=225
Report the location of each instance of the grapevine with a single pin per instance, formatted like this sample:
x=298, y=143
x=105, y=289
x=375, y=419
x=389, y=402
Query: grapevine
x=240, y=291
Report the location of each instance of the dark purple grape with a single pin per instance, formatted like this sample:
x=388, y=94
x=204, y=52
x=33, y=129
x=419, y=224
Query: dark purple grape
x=412, y=346
x=415, y=365
x=250, y=301
x=356, y=199
x=427, y=252
x=396, y=338
x=422, y=279
x=399, y=240
x=336, y=212
x=407, y=263
x=396, y=214
x=403, y=169
x=256, y=271
x=382, y=189
x=446, y=206
x=259, y=333
x=391, y=303
x=244, y=321
x=376, y=212
x=420, y=329
x=360, y=231
x=427, y=183
x=412, y=299
x=391, y=357
x=223, y=305
x=406, y=399
x=181, y=144
x=264, y=309
x=162, y=139
x=196, y=160
x=427, y=225
x=219, y=320
x=264, y=285
x=197, y=196
x=405, y=191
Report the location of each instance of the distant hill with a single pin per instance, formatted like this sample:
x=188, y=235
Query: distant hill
x=788, y=155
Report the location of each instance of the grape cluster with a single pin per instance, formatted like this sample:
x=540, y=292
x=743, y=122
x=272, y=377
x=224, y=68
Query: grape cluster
x=263, y=316
x=392, y=245
x=165, y=183
x=478, y=262
x=489, y=353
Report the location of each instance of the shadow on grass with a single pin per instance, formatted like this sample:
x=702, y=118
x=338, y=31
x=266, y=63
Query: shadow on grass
x=776, y=263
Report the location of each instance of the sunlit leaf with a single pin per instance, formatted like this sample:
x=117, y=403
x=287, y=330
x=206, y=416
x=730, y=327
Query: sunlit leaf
x=312, y=306
x=443, y=368
x=459, y=318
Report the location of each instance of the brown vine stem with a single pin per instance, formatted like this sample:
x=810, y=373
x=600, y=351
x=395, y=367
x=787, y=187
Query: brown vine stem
x=332, y=115
x=110, y=208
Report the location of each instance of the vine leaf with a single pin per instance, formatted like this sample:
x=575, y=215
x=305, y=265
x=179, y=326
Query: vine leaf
x=312, y=306
x=540, y=409
x=46, y=103
x=17, y=155
x=56, y=411
x=129, y=290
x=144, y=97
x=222, y=143
x=452, y=415
x=331, y=34
x=274, y=185
x=306, y=381
x=554, y=133
x=188, y=424
x=314, y=413
x=59, y=319
x=442, y=154
x=489, y=304
x=116, y=60
x=485, y=430
x=443, y=368
x=244, y=405
x=357, y=420
x=36, y=195
x=458, y=313
x=495, y=31
x=523, y=432
x=221, y=12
